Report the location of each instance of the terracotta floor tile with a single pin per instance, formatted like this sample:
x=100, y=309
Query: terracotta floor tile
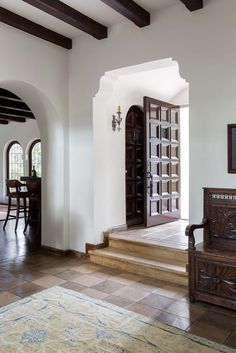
x=26, y=289
x=210, y=332
x=118, y=301
x=143, y=310
x=86, y=268
x=108, y=286
x=157, y=301
x=175, y=292
x=173, y=320
x=91, y=292
x=153, y=284
x=68, y=275
x=53, y=270
x=126, y=278
x=130, y=293
x=30, y=275
x=186, y=310
x=87, y=280
x=7, y=281
x=72, y=285
x=48, y=281
x=7, y=298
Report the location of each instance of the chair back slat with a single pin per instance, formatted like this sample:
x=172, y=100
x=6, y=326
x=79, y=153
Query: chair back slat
x=13, y=186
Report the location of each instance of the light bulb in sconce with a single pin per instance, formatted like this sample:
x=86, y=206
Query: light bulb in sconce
x=117, y=119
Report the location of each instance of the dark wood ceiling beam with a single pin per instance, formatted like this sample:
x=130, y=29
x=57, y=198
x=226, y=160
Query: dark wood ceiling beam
x=17, y=113
x=7, y=94
x=193, y=5
x=131, y=10
x=4, y=122
x=35, y=29
x=12, y=118
x=8, y=103
x=71, y=16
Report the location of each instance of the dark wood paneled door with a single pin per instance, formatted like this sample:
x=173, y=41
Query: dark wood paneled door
x=162, y=150
x=134, y=166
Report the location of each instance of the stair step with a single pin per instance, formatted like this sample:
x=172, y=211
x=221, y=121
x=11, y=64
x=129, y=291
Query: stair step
x=130, y=262
x=153, y=251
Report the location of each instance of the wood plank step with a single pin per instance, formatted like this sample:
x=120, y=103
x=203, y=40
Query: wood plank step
x=150, y=250
x=130, y=262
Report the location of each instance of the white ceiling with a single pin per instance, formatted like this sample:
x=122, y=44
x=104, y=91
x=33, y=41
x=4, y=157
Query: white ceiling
x=95, y=9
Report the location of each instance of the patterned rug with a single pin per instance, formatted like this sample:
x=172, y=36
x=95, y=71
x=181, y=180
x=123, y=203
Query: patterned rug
x=59, y=320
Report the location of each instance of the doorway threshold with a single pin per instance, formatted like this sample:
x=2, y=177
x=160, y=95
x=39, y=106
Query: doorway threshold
x=170, y=235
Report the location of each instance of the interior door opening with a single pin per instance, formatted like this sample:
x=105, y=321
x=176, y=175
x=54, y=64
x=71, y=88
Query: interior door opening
x=135, y=166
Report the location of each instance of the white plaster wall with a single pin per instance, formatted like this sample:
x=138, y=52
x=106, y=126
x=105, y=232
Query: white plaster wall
x=201, y=42
x=37, y=72
x=24, y=133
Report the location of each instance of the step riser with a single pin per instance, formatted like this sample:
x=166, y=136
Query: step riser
x=156, y=253
x=139, y=269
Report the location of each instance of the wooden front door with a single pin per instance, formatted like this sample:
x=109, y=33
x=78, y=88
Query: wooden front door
x=135, y=166
x=162, y=150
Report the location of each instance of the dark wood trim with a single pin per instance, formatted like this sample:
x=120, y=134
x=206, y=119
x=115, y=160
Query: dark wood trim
x=12, y=118
x=15, y=112
x=59, y=252
x=4, y=93
x=7, y=156
x=12, y=103
x=103, y=245
x=193, y=5
x=71, y=16
x=30, y=154
x=230, y=147
x=4, y=122
x=131, y=10
x=23, y=24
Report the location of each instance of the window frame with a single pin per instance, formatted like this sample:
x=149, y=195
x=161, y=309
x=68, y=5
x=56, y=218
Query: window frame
x=12, y=143
x=30, y=154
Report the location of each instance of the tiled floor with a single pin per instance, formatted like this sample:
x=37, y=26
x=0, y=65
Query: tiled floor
x=170, y=234
x=23, y=272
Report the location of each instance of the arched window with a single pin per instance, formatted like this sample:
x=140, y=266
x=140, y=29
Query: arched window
x=35, y=157
x=15, y=163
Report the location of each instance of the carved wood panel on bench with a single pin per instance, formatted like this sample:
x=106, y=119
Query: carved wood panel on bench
x=212, y=265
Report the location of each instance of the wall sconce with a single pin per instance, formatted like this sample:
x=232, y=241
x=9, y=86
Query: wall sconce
x=116, y=120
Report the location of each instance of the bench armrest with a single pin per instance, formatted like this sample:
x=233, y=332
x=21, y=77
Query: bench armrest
x=189, y=232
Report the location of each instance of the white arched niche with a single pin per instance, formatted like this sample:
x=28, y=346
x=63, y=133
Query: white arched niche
x=53, y=136
x=126, y=87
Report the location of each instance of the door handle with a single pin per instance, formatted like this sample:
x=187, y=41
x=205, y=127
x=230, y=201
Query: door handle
x=150, y=186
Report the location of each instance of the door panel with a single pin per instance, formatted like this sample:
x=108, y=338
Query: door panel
x=134, y=166
x=162, y=181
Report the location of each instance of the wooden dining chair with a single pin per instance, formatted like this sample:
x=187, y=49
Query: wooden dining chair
x=14, y=192
x=34, y=194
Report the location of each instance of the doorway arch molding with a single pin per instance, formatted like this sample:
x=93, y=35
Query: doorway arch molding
x=53, y=136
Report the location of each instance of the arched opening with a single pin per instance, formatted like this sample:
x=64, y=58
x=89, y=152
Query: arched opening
x=52, y=132
x=161, y=82
x=134, y=165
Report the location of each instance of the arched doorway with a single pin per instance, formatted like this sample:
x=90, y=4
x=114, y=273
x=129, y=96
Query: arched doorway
x=54, y=136
x=134, y=162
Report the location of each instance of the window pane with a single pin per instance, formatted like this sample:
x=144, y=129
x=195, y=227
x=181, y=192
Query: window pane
x=36, y=158
x=16, y=164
